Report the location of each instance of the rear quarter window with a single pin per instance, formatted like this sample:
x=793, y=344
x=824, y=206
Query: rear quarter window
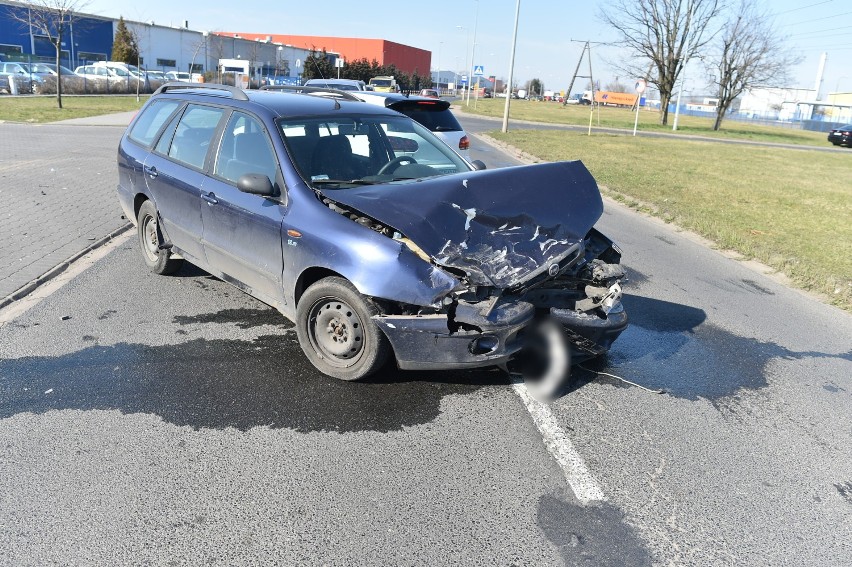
x=152, y=119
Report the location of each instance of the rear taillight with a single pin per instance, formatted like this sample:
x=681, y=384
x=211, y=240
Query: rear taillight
x=464, y=143
x=426, y=102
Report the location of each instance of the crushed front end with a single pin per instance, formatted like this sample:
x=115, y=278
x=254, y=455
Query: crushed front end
x=522, y=246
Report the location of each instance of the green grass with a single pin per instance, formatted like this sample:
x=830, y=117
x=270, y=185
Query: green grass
x=790, y=209
x=612, y=117
x=43, y=109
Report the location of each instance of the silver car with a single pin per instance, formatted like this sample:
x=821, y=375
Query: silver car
x=431, y=113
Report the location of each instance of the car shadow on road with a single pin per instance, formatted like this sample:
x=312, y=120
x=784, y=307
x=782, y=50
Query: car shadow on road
x=223, y=383
x=674, y=348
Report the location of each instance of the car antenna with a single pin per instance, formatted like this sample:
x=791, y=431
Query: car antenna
x=314, y=61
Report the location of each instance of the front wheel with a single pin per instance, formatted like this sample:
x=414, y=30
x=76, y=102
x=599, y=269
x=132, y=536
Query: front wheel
x=159, y=261
x=336, y=330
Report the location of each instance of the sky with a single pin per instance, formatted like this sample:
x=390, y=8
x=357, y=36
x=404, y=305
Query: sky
x=550, y=33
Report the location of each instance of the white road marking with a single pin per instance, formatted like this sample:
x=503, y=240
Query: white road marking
x=580, y=479
x=21, y=306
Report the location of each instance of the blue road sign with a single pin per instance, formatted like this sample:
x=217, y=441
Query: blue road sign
x=478, y=70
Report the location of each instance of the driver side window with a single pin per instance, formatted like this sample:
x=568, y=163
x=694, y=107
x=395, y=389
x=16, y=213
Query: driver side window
x=194, y=133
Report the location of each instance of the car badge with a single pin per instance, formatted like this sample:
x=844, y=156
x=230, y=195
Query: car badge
x=553, y=269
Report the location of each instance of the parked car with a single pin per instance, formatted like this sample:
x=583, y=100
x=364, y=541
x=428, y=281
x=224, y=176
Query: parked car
x=316, y=206
x=154, y=75
x=38, y=72
x=179, y=76
x=339, y=84
x=20, y=74
x=429, y=93
x=121, y=69
x=841, y=135
x=51, y=68
x=434, y=114
x=109, y=73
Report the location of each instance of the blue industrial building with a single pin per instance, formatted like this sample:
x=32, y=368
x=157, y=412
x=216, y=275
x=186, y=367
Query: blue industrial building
x=89, y=39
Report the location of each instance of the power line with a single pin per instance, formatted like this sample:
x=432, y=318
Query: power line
x=823, y=18
x=805, y=7
x=821, y=31
x=820, y=38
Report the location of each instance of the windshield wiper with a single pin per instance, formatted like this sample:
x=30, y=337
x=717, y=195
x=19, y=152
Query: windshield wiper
x=342, y=182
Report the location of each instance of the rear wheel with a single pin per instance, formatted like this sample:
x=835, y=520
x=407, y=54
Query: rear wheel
x=336, y=330
x=159, y=261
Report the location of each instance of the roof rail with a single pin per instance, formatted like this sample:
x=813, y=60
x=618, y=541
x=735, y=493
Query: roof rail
x=237, y=94
x=336, y=93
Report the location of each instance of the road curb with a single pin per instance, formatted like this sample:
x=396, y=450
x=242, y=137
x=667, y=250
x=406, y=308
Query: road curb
x=28, y=288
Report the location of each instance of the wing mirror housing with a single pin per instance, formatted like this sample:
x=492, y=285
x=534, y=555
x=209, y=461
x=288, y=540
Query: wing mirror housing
x=256, y=184
x=478, y=165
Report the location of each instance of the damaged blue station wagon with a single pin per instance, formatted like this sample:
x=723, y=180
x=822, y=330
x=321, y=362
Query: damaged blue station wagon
x=373, y=236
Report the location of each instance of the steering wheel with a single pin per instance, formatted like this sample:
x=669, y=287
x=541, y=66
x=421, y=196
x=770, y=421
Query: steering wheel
x=394, y=164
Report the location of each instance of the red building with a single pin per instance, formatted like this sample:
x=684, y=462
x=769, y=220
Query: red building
x=406, y=58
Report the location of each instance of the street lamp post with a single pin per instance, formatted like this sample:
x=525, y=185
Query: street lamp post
x=472, y=52
x=466, y=52
x=440, y=45
x=511, y=70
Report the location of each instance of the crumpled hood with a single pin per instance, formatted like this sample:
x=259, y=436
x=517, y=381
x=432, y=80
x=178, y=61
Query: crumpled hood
x=500, y=226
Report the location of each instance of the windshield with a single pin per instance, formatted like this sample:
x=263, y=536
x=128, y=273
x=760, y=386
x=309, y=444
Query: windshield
x=36, y=67
x=345, y=151
x=380, y=82
x=63, y=70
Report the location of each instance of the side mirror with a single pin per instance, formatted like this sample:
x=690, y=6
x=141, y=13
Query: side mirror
x=256, y=184
x=478, y=165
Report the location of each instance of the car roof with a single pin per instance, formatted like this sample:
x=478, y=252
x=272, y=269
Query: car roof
x=333, y=81
x=279, y=102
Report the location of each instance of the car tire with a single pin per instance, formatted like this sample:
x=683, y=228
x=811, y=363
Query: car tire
x=336, y=331
x=159, y=261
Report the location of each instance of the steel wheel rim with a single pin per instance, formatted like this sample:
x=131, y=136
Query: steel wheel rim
x=336, y=331
x=150, y=242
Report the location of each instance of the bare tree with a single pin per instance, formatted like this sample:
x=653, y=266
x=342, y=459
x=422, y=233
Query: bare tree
x=749, y=52
x=52, y=19
x=615, y=87
x=664, y=33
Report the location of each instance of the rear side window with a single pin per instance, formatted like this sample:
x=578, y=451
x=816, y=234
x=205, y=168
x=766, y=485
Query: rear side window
x=428, y=115
x=194, y=133
x=152, y=119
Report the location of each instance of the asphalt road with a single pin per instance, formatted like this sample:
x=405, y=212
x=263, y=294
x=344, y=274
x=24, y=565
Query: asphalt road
x=149, y=419
x=480, y=124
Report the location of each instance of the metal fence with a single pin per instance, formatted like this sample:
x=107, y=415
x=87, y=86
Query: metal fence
x=817, y=123
x=27, y=74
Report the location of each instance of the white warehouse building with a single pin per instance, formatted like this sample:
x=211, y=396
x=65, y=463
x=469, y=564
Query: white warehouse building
x=167, y=48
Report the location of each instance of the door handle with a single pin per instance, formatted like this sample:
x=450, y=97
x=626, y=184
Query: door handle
x=210, y=198
x=150, y=171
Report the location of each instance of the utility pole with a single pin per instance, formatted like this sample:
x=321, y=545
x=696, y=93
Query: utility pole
x=587, y=47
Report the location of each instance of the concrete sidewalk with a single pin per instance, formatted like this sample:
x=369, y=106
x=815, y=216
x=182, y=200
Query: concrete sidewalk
x=117, y=119
x=57, y=195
